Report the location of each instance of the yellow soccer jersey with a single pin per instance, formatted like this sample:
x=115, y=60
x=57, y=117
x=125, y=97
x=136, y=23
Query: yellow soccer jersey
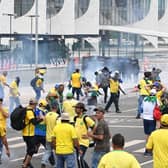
x=158, y=143
x=64, y=134
x=76, y=80
x=118, y=159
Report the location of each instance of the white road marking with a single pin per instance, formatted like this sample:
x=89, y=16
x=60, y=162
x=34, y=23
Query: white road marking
x=14, y=139
x=21, y=158
x=17, y=145
x=125, y=126
x=142, y=150
x=133, y=142
x=147, y=162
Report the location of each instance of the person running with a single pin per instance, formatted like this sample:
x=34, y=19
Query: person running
x=3, y=83
x=3, y=116
x=76, y=83
x=37, y=84
x=82, y=123
x=40, y=128
x=101, y=137
x=14, y=100
x=50, y=121
x=157, y=143
x=28, y=132
x=114, y=91
x=65, y=141
x=118, y=157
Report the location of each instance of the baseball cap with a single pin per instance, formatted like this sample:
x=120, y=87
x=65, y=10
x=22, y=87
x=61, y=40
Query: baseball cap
x=81, y=106
x=99, y=108
x=65, y=116
x=164, y=120
x=43, y=102
x=33, y=101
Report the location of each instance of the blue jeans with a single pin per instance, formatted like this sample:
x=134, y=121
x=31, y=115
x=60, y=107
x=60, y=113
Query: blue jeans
x=48, y=150
x=37, y=92
x=140, y=100
x=14, y=102
x=68, y=158
x=96, y=158
x=1, y=147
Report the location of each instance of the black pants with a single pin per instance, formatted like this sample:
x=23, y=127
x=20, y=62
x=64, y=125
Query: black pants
x=113, y=98
x=30, y=145
x=105, y=90
x=77, y=91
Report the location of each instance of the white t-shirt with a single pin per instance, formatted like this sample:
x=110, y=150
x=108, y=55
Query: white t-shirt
x=148, y=108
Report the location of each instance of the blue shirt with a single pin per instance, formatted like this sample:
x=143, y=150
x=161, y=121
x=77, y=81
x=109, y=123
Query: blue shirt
x=40, y=129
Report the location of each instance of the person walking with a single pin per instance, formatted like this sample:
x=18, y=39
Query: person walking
x=51, y=119
x=144, y=87
x=118, y=157
x=82, y=123
x=101, y=137
x=14, y=100
x=65, y=141
x=149, y=123
x=28, y=132
x=157, y=143
x=68, y=105
x=3, y=116
x=3, y=83
x=76, y=83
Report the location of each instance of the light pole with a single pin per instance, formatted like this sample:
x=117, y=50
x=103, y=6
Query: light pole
x=10, y=15
x=31, y=22
x=36, y=34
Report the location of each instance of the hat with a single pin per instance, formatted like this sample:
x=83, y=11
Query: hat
x=153, y=92
x=164, y=120
x=101, y=109
x=69, y=95
x=56, y=86
x=33, y=101
x=81, y=106
x=43, y=102
x=65, y=116
x=156, y=84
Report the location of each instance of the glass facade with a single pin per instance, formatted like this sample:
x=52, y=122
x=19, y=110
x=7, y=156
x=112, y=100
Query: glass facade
x=21, y=7
x=81, y=7
x=122, y=12
x=161, y=8
x=53, y=7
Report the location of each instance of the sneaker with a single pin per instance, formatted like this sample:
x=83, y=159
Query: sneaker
x=0, y=159
x=43, y=166
x=147, y=154
x=30, y=165
x=138, y=116
x=118, y=111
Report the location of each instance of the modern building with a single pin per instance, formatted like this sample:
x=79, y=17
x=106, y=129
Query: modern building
x=97, y=27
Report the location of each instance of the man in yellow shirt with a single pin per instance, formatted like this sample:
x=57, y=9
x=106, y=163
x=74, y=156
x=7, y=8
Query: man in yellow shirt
x=118, y=157
x=68, y=106
x=14, y=100
x=76, y=83
x=29, y=131
x=157, y=143
x=82, y=124
x=50, y=121
x=3, y=116
x=114, y=91
x=65, y=140
x=3, y=84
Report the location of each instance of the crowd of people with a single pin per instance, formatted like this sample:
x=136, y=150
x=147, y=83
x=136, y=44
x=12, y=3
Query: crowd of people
x=66, y=128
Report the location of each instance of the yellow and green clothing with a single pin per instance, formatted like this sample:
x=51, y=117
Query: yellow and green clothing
x=76, y=80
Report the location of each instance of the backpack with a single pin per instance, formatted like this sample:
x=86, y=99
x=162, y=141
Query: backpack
x=17, y=118
x=91, y=143
x=33, y=81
